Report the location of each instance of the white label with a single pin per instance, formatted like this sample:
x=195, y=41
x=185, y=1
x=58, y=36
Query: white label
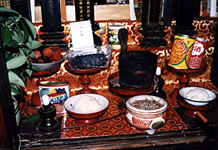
x=198, y=48
x=81, y=34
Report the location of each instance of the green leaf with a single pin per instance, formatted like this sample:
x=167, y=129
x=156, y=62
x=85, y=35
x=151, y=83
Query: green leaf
x=32, y=54
x=7, y=10
x=16, y=37
x=32, y=118
x=21, y=51
x=14, y=78
x=9, y=20
x=1, y=18
x=31, y=27
x=14, y=90
x=24, y=51
x=29, y=72
x=21, y=73
x=25, y=33
x=6, y=35
x=13, y=44
x=28, y=44
x=29, y=64
x=35, y=44
x=16, y=62
x=18, y=30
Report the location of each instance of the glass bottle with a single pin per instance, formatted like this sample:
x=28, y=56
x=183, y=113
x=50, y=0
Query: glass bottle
x=158, y=91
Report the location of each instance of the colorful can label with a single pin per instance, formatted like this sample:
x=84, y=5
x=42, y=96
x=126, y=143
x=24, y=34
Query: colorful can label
x=181, y=51
x=197, y=53
x=113, y=39
x=57, y=91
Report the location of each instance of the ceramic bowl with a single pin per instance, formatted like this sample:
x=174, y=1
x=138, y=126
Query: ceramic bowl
x=148, y=120
x=42, y=67
x=197, y=96
x=89, y=114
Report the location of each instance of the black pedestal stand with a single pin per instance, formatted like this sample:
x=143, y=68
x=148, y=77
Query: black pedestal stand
x=187, y=30
x=152, y=28
x=185, y=13
x=51, y=20
x=53, y=38
x=153, y=36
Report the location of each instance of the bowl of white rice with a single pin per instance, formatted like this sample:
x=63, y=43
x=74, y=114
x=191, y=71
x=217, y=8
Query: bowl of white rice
x=86, y=106
x=197, y=96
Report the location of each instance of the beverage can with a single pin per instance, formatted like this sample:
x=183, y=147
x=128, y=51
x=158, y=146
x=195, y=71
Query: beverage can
x=113, y=39
x=181, y=51
x=57, y=91
x=197, y=53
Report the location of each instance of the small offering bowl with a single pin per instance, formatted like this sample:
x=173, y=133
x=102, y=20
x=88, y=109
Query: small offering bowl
x=150, y=119
x=197, y=96
x=86, y=117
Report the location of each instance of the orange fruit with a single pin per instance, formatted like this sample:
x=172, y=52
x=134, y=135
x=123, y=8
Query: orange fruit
x=48, y=52
x=56, y=56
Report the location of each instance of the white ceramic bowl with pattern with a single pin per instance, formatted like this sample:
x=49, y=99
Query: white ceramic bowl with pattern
x=148, y=120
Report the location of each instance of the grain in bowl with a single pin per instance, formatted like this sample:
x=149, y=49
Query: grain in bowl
x=86, y=106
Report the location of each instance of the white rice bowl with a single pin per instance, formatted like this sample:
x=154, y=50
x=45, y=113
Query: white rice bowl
x=86, y=103
x=197, y=96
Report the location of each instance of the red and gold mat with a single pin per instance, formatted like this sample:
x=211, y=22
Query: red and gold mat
x=99, y=81
x=116, y=126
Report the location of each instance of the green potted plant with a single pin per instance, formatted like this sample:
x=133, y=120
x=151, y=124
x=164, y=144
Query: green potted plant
x=18, y=40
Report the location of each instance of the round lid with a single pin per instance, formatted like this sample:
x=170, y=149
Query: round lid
x=200, y=39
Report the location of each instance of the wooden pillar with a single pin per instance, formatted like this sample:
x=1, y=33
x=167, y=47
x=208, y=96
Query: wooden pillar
x=63, y=11
x=3, y=134
x=214, y=69
x=9, y=132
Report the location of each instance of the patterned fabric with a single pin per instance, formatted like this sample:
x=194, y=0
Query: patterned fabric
x=99, y=81
x=119, y=125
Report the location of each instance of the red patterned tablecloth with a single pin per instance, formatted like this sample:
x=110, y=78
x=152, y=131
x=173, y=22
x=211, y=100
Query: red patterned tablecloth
x=117, y=126
x=99, y=81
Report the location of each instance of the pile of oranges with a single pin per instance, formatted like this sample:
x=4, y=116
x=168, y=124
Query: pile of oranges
x=47, y=55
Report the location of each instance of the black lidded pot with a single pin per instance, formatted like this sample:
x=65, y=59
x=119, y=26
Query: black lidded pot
x=136, y=68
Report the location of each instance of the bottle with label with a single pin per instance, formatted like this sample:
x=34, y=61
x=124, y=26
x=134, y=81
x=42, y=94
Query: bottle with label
x=158, y=91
